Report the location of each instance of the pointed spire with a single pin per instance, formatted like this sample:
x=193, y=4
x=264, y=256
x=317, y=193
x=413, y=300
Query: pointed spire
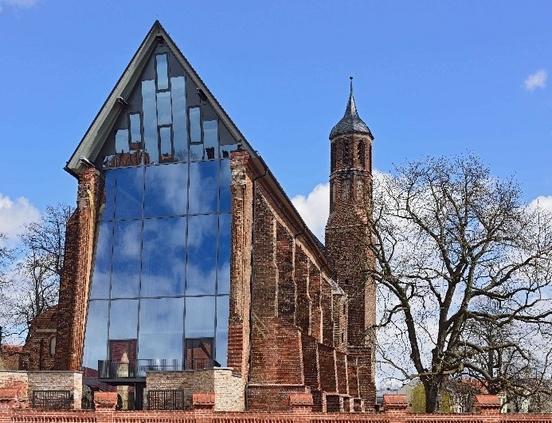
x=350, y=122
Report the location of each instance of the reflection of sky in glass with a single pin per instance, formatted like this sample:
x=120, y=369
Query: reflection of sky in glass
x=162, y=71
x=202, y=248
x=135, y=134
x=102, y=262
x=150, y=119
x=223, y=304
x=180, y=133
x=164, y=114
x=124, y=319
x=161, y=237
x=128, y=196
x=224, y=254
x=203, y=187
x=125, y=273
x=166, y=190
x=161, y=328
x=225, y=183
x=121, y=141
x=199, y=317
x=163, y=257
x=195, y=124
x=95, y=342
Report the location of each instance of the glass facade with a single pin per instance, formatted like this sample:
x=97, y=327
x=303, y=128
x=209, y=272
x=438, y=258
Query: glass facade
x=161, y=279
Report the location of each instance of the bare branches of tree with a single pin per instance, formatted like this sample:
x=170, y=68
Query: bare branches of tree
x=32, y=282
x=449, y=239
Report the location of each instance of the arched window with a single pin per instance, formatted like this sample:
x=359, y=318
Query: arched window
x=346, y=155
x=332, y=158
x=52, y=347
x=361, y=150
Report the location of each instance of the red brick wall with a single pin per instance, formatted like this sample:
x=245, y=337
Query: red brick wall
x=75, y=279
x=43, y=329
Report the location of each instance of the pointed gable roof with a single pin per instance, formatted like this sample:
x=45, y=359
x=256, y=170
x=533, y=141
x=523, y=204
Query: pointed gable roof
x=98, y=132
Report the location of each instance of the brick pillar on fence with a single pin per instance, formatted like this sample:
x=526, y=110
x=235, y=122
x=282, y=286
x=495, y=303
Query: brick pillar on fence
x=105, y=404
x=395, y=407
x=488, y=405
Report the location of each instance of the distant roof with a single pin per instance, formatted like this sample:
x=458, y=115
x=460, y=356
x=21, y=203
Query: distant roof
x=350, y=123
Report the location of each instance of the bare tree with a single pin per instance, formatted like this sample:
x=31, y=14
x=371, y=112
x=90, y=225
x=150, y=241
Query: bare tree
x=447, y=239
x=32, y=284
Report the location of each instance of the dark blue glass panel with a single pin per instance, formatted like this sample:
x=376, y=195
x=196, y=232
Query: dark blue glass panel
x=130, y=189
x=125, y=277
x=121, y=141
x=163, y=257
x=202, y=249
x=221, y=342
x=225, y=181
x=203, y=187
x=102, y=262
x=200, y=317
x=110, y=190
x=161, y=329
x=166, y=190
x=123, y=319
x=95, y=341
x=225, y=245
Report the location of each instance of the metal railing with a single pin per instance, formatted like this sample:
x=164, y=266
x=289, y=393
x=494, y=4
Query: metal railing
x=109, y=369
x=167, y=400
x=52, y=400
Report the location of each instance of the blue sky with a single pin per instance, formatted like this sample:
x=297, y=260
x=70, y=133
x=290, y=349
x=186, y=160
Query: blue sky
x=431, y=78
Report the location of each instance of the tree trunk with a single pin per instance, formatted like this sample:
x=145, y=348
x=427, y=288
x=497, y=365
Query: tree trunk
x=431, y=389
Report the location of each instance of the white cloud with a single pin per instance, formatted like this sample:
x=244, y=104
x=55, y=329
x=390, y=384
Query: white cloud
x=15, y=214
x=536, y=80
x=314, y=208
x=542, y=202
x=17, y=4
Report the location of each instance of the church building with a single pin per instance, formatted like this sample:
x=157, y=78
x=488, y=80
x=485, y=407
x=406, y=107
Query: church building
x=188, y=269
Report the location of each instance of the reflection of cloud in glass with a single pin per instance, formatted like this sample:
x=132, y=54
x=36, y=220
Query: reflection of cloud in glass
x=163, y=257
x=161, y=328
x=95, y=343
x=203, y=187
x=200, y=317
x=202, y=249
x=166, y=190
x=126, y=259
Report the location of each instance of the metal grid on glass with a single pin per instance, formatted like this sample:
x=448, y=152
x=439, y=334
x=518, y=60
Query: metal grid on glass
x=162, y=264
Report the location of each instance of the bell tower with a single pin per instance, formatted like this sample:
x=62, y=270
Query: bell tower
x=347, y=233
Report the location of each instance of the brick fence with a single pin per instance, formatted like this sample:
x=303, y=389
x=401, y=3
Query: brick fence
x=395, y=411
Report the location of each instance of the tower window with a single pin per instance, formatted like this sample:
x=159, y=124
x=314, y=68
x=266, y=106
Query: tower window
x=361, y=154
x=332, y=158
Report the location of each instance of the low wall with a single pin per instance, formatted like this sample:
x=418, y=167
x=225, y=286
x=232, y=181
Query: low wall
x=229, y=390
x=25, y=382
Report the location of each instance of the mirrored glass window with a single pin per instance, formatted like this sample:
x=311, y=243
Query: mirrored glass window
x=95, y=344
x=166, y=190
x=164, y=113
x=225, y=246
x=180, y=132
x=130, y=188
x=163, y=257
x=135, y=128
x=162, y=70
x=195, y=124
x=196, y=152
x=202, y=246
x=165, y=136
x=222, y=330
x=203, y=187
x=123, y=317
x=161, y=329
x=125, y=273
x=225, y=184
x=210, y=139
x=102, y=261
x=199, y=317
x=149, y=109
x=107, y=212
x=121, y=141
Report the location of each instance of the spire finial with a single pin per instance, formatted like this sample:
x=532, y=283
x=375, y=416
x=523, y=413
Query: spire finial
x=350, y=86
x=351, y=121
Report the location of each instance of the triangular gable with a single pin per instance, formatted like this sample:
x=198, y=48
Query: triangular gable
x=116, y=105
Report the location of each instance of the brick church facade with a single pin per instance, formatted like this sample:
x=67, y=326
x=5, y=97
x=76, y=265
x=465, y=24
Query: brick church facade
x=187, y=268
